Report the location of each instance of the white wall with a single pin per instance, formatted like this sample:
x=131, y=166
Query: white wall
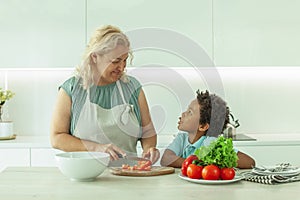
x=35, y=94
x=264, y=99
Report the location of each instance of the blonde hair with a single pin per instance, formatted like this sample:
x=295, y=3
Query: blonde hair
x=104, y=40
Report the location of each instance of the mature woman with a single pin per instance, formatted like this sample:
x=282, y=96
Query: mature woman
x=101, y=108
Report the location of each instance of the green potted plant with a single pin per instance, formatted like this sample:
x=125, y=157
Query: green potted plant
x=6, y=127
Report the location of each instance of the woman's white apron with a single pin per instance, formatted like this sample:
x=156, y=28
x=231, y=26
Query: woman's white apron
x=118, y=125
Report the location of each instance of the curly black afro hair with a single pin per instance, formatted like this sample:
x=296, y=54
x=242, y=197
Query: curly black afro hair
x=213, y=111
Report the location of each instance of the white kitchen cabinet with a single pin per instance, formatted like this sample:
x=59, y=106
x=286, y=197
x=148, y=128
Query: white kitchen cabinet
x=14, y=157
x=193, y=20
x=272, y=149
x=268, y=149
x=256, y=33
x=43, y=157
x=272, y=155
x=38, y=33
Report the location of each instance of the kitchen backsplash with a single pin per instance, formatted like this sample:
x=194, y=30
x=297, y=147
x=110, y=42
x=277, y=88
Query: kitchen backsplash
x=264, y=99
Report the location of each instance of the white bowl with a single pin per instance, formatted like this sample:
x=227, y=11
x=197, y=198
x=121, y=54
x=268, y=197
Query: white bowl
x=82, y=166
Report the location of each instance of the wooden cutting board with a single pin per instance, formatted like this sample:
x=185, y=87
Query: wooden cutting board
x=155, y=171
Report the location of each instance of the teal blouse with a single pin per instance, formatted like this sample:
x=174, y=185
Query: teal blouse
x=106, y=96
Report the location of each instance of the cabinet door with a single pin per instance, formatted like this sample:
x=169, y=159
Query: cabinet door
x=14, y=157
x=43, y=157
x=38, y=33
x=272, y=155
x=256, y=33
x=192, y=19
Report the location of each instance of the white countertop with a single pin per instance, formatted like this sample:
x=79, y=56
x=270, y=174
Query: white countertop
x=163, y=141
x=28, y=183
x=284, y=139
x=26, y=142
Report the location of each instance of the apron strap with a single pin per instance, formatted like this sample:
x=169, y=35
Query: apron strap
x=121, y=91
x=88, y=94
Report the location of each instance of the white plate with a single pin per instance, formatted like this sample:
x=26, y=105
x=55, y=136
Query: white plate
x=211, y=182
x=291, y=172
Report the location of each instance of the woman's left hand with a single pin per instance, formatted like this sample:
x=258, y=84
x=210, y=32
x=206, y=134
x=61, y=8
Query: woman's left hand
x=152, y=154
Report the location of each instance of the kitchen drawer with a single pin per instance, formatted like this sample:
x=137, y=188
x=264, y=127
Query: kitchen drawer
x=272, y=155
x=43, y=157
x=14, y=157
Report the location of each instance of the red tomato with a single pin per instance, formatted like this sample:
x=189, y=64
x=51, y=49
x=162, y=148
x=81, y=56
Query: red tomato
x=184, y=170
x=186, y=163
x=141, y=166
x=227, y=173
x=211, y=172
x=144, y=165
x=194, y=171
x=125, y=166
x=189, y=160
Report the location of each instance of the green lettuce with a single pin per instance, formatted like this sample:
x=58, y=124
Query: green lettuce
x=220, y=152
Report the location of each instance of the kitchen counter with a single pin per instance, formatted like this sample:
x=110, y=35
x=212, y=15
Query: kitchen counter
x=284, y=139
x=27, y=142
x=48, y=183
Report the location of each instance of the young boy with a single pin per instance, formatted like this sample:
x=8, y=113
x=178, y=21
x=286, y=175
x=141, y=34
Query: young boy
x=205, y=119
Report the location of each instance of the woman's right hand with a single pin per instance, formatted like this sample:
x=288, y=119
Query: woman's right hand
x=112, y=150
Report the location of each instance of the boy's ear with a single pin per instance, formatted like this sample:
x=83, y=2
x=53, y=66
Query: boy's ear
x=203, y=127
